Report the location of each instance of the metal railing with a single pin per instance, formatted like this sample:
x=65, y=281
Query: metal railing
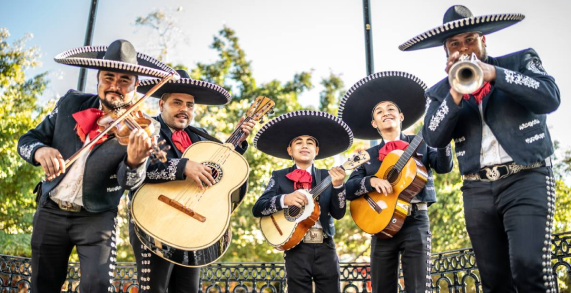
x=452, y=271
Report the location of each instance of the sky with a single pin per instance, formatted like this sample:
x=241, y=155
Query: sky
x=282, y=38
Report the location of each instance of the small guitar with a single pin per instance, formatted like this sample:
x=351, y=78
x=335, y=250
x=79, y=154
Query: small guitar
x=384, y=215
x=184, y=224
x=286, y=228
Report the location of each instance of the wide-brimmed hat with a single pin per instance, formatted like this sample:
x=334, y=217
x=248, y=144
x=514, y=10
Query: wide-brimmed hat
x=331, y=133
x=204, y=93
x=119, y=56
x=459, y=19
x=403, y=89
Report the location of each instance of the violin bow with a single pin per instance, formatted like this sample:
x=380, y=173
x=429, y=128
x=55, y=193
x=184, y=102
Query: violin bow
x=122, y=117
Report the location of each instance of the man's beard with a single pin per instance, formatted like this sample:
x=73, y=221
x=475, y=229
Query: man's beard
x=114, y=105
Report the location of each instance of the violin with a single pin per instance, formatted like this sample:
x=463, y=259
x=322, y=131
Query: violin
x=135, y=120
x=120, y=119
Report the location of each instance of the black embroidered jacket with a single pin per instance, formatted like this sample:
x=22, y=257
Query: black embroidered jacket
x=515, y=110
x=106, y=174
x=331, y=201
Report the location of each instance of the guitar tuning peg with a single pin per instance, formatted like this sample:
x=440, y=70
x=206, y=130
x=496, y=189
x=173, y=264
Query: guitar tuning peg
x=262, y=120
x=271, y=112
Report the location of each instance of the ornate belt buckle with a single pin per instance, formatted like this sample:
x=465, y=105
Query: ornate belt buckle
x=314, y=235
x=68, y=206
x=492, y=173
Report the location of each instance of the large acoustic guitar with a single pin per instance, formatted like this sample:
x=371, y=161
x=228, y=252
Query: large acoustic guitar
x=383, y=215
x=286, y=228
x=187, y=225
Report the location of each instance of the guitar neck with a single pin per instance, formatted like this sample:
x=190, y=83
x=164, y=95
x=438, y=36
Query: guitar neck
x=410, y=150
x=319, y=188
x=237, y=134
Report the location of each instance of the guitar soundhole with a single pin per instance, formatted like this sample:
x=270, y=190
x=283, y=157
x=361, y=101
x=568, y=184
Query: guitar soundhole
x=392, y=176
x=292, y=213
x=216, y=171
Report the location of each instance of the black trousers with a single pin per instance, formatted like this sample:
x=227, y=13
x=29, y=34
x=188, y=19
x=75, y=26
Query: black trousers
x=156, y=274
x=412, y=245
x=307, y=263
x=509, y=222
x=55, y=234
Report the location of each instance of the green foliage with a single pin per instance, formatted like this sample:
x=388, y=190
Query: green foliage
x=18, y=98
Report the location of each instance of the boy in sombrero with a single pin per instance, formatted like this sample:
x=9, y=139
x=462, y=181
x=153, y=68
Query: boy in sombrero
x=503, y=147
x=379, y=107
x=304, y=136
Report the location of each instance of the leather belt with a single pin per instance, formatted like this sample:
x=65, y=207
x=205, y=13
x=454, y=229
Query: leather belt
x=497, y=172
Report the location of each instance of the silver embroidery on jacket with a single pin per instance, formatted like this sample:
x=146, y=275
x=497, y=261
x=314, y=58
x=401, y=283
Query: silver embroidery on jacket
x=26, y=150
x=528, y=124
x=270, y=184
x=132, y=178
x=272, y=208
x=113, y=189
x=438, y=116
x=341, y=196
x=363, y=188
x=460, y=154
x=516, y=78
x=54, y=111
x=535, y=137
x=168, y=174
x=448, y=150
x=460, y=139
x=534, y=65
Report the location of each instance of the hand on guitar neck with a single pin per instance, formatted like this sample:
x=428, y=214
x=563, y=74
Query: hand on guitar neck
x=381, y=185
x=246, y=128
x=298, y=199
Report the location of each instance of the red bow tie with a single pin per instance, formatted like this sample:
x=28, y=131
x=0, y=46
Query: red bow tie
x=301, y=179
x=480, y=93
x=391, y=146
x=87, y=124
x=181, y=140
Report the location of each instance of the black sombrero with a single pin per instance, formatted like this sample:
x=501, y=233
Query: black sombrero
x=204, y=93
x=332, y=134
x=459, y=19
x=401, y=88
x=120, y=56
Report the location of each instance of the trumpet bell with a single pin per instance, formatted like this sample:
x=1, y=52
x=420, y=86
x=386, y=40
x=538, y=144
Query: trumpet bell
x=466, y=76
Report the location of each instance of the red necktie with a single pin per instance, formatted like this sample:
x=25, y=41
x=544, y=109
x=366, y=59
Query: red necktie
x=480, y=93
x=301, y=179
x=181, y=140
x=87, y=124
x=391, y=146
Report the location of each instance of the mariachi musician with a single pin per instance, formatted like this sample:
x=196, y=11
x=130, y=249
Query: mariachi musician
x=177, y=103
x=381, y=106
x=78, y=206
x=304, y=136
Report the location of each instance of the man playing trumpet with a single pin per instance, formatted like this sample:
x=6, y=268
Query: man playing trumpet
x=503, y=147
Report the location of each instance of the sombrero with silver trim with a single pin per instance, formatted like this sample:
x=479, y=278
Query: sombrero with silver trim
x=401, y=88
x=459, y=19
x=119, y=56
x=331, y=133
x=204, y=93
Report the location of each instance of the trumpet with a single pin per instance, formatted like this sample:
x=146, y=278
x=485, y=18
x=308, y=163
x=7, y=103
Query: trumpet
x=466, y=76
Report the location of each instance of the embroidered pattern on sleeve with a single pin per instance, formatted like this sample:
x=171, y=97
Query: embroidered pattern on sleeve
x=516, y=78
x=528, y=124
x=438, y=116
x=26, y=150
x=54, y=111
x=270, y=184
x=342, y=196
x=168, y=174
x=534, y=65
x=363, y=188
x=272, y=209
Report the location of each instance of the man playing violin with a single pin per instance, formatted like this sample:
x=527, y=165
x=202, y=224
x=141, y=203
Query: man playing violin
x=503, y=148
x=381, y=106
x=177, y=102
x=77, y=206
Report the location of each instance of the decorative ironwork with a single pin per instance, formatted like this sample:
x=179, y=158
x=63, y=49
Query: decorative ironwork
x=452, y=271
